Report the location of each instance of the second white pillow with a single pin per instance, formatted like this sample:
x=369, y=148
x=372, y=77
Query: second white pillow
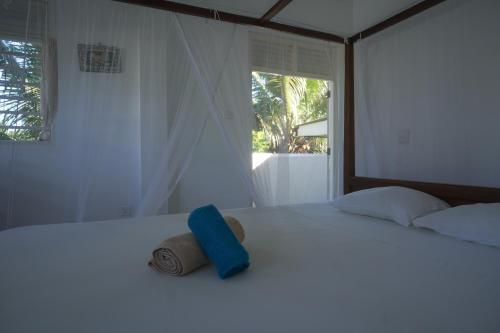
x=478, y=223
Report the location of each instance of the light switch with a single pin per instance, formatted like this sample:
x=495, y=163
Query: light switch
x=404, y=137
x=228, y=114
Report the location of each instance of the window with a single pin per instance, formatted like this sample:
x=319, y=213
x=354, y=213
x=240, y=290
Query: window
x=291, y=82
x=20, y=90
x=290, y=92
x=291, y=114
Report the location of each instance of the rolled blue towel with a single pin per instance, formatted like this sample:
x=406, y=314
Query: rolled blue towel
x=218, y=241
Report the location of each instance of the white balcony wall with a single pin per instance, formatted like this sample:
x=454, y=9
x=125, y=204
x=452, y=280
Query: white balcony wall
x=287, y=179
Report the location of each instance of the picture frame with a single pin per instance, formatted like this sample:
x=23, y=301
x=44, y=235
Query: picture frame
x=99, y=58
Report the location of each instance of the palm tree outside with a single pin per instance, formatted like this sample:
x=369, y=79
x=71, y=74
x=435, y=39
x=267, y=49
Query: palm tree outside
x=281, y=103
x=20, y=77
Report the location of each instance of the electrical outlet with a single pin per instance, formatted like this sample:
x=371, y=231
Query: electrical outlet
x=126, y=211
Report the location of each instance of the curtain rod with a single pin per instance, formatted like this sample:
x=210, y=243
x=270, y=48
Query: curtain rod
x=233, y=18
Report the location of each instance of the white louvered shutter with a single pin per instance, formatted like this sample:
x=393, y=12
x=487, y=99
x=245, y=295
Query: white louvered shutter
x=288, y=56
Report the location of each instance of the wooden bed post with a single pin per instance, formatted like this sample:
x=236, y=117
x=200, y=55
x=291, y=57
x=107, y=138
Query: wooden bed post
x=349, y=143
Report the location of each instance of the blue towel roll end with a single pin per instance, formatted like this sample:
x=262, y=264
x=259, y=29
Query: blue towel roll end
x=218, y=241
x=233, y=269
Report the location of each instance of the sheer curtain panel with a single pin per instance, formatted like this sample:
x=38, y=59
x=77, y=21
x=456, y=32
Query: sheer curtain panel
x=111, y=110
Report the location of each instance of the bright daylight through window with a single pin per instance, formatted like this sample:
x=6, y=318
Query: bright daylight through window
x=291, y=114
x=20, y=90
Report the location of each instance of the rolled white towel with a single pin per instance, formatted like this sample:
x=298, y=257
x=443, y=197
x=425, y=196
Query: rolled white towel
x=181, y=254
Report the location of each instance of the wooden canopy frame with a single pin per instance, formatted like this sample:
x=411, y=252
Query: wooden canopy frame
x=264, y=21
x=453, y=194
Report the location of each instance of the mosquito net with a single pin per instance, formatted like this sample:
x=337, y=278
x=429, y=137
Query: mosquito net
x=426, y=106
x=112, y=110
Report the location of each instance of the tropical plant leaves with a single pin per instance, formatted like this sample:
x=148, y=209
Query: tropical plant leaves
x=283, y=102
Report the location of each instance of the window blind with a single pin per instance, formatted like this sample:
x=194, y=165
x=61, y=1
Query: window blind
x=288, y=56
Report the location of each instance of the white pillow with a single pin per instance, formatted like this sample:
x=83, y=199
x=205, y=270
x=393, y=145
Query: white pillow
x=477, y=223
x=398, y=204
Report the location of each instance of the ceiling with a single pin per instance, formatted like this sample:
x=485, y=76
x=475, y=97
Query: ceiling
x=341, y=17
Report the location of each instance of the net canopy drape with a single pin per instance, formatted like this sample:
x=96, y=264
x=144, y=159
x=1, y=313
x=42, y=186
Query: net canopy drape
x=427, y=99
x=217, y=63
x=152, y=108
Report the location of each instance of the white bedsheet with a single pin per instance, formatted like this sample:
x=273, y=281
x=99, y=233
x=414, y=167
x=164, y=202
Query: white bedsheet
x=314, y=269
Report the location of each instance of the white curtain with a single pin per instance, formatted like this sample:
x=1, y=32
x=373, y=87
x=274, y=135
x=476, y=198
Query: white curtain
x=49, y=87
x=125, y=136
x=426, y=102
x=170, y=132
x=215, y=55
x=219, y=58
x=162, y=90
x=154, y=115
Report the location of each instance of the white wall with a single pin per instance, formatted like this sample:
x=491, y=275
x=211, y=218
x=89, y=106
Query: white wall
x=211, y=178
x=35, y=185
x=427, y=102
x=287, y=179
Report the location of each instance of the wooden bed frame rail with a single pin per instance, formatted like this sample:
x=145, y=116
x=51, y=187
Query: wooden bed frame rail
x=453, y=194
x=264, y=21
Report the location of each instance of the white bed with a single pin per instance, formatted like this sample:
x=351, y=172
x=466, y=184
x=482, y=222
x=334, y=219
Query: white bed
x=314, y=269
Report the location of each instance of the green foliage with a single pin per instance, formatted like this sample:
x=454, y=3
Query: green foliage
x=314, y=104
x=20, y=75
x=283, y=102
x=259, y=142
x=4, y=136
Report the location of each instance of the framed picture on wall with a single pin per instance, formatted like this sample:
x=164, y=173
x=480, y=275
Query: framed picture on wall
x=99, y=58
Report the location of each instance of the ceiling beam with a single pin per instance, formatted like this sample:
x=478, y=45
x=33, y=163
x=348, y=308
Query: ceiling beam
x=393, y=20
x=274, y=10
x=233, y=18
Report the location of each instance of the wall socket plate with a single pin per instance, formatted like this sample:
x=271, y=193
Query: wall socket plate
x=228, y=114
x=126, y=211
